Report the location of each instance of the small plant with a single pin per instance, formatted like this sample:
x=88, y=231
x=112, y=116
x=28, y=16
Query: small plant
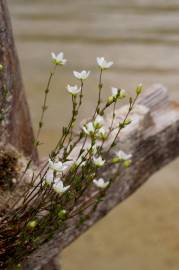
x=70, y=184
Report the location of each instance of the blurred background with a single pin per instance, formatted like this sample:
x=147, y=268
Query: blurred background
x=142, y=38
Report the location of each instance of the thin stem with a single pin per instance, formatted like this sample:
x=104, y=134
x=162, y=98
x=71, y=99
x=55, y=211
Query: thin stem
x=100, y=86
x=131, y=105
x=44, y=106
x=61, y=141
x=73, y=119
x=111, y=126
x=81, y=95
x=86, y=204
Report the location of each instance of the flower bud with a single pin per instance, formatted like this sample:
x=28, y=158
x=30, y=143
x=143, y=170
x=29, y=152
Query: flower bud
x=1, y=67
x=122, y=93
x=127, y=122
x=127, y=163
x=110, y=100
x=115, y=160
x=139, y=89
x=62, y=214
x=18, y=266
x=32, y=224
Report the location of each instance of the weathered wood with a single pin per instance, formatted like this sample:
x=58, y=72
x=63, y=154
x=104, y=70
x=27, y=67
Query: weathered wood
x=16, y=128
x=52, y=265
x=154, y=142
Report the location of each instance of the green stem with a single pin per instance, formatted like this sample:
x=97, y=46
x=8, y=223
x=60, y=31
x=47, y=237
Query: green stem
x=131, y=105
x=100, y=86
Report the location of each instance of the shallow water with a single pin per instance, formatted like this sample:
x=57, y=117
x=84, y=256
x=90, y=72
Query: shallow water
x=142, y=38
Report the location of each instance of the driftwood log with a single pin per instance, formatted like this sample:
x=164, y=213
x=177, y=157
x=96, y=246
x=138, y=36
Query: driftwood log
x=153, y=139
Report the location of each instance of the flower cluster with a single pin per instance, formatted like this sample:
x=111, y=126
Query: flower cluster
x=95, y=128
x=71, y=183
x=53, y=176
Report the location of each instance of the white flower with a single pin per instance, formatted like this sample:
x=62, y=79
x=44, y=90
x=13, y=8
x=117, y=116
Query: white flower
x=89, y=128
x=58, y=166
x=83, y=75
x=123, y=156
x=98, y=122
x=118, y=92
x=59, y=187
x=74, y=90
x=49, y=177
x=100, y=183
x=58, y=59
x=98, y=161
x=102, y=63
x=115, y=91
x=101, y=133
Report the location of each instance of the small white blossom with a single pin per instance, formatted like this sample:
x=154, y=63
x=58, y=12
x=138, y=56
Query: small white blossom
x=98, y=161
x=74, y=90
x=83, y=75
x=59, y=187
x=101, y=133
x=114, y=91
x=121, y=93
x=89, y=128
x=98, y=122
x=102, y=63
x=58, y=59
x=100, y=183
x=123, y=156
x=58, y=166
x=49, y=178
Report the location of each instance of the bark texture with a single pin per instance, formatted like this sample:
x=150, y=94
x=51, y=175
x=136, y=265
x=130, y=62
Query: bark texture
x=52, y=265
x=16, y=127
x=153, y=141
